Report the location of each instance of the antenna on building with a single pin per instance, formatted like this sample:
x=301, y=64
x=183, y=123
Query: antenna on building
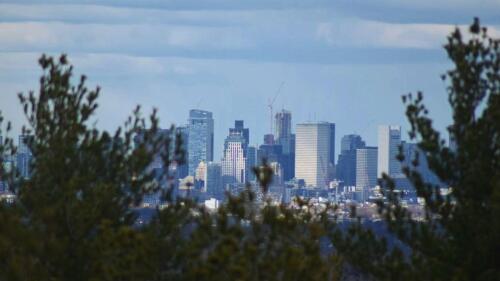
x=270, y=103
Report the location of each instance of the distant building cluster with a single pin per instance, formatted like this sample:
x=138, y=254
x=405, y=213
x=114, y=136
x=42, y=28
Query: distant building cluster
x=304, y=163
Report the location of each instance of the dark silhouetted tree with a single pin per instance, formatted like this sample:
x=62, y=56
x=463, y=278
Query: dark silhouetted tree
x=459, y=239
x=73, y=218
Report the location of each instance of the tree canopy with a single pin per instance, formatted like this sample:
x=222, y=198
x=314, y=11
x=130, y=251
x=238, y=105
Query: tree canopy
x=74, y=219
x=459, y=238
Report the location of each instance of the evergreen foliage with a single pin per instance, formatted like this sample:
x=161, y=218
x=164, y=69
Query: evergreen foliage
x=459, y=239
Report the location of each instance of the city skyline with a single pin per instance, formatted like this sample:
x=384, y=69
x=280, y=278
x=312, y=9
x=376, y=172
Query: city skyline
x=307, y=155
x=302, y=163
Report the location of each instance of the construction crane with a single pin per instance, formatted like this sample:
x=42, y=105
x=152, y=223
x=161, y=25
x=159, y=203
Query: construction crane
x=270, y=103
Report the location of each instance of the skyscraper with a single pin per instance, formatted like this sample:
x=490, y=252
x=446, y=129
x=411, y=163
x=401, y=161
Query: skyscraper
x=251, y=162
x=331, y=158
x=239, y=127
x=213, y=180
x=389, y=140
x=351, y=142
x=346, y=164
x=182, y=170
x=249, y=152
x=366, y=168
x=24, y=155
x=283, y=125
x=201, y=138
x=332, y=145
x=285, y=138
x=312, y=153
x=268, y=139
x=234, y=159
x=270, y=152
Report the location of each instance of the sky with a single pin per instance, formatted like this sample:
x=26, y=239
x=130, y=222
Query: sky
x=342, y=61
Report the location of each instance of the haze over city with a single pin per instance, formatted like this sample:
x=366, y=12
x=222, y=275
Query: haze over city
x=343, y=63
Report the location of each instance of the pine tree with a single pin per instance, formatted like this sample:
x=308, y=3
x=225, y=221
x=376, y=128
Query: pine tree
x=459, y=238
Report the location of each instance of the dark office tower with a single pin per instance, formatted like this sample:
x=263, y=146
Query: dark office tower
x=283, y=125
x=24, y=155
x=182, y=170
x=201, y=138
x=213, y=180
x=332, y=144
x=268, y=139
x=346, y=165
x=288, y=166
x=270, y=153
x=331, y=156
x=292, y=159
x=239, y=127
x=285, y=138
x=351, y=142
x=251, y=162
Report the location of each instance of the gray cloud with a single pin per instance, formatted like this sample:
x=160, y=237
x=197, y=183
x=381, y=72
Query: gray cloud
x=410, y=11
x=287, y=35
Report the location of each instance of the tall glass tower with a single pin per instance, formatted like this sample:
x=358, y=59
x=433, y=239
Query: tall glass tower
x=201, y=138
x=24, y=156
x=285, y=138
x=213, y=180
x=283, y=124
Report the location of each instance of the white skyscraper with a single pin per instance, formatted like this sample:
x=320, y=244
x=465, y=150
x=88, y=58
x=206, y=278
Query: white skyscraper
x=389, y=140
x=312, y=153
x=234, y=160
x=366, y=167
